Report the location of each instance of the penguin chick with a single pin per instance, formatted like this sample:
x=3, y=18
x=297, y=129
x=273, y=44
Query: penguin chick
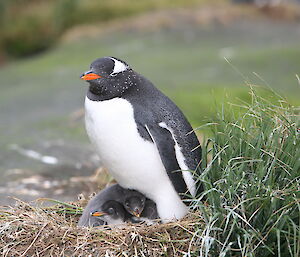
x=142, y=209
x=110, y=213
x=114, y=193
x=134, y=204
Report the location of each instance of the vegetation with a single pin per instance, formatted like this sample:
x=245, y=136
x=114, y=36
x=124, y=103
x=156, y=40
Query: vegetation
x=250, y=206
x=31, y=26
x=252, y=182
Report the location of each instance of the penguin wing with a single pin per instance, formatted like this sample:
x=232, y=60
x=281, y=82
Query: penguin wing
x=165, y=144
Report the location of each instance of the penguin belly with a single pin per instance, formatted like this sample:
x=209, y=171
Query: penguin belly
x=134, y=162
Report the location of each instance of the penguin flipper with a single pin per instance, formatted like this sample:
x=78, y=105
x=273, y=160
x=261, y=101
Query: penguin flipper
x=165, y=144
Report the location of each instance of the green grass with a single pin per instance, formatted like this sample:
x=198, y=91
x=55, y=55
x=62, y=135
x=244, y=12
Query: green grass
x=251, y=176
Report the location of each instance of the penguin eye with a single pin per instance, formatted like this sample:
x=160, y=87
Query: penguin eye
x=127, y=204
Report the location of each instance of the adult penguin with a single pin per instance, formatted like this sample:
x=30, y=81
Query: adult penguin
x=141, y=136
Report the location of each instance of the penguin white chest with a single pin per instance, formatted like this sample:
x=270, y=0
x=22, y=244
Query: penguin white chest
x=112, y=129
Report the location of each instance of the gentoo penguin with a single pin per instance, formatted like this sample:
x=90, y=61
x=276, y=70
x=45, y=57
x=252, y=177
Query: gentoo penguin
x=141, y=208
x=142, y=211
x=141, y=136
x=110, y=213
x=135, y=204
x=105, y=199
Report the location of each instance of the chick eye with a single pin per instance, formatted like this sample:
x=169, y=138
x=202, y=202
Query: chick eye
x=127, y=204
x=111, y=210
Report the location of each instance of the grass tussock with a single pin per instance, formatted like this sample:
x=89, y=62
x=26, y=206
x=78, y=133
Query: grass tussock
x=252, y=182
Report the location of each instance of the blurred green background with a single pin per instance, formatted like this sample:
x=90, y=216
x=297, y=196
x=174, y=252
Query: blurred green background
x=201, y=53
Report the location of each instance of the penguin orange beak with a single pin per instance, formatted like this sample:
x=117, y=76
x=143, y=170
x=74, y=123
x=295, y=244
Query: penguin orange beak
x=98, y=214
x=89, y=76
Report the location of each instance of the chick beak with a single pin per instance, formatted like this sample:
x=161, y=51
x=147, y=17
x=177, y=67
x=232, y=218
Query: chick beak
x=89, y=75
x=98, y=214
x=137, y=213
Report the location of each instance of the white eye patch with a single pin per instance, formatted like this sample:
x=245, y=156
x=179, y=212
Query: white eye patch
x=119, y=67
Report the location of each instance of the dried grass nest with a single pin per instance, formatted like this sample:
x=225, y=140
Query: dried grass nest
x=28, y=230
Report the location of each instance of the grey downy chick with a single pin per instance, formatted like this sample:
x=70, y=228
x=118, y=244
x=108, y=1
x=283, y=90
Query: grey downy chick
x=141, y=208
x=110, y=213
x=98, y=204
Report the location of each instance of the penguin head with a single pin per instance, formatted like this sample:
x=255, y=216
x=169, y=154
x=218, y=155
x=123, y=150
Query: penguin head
x=135, y=204
x=111, y=212
x=109, y=77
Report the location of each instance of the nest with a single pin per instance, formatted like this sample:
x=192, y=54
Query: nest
x=27, y=230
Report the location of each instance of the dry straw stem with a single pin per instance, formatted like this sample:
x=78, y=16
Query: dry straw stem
x=26, y=230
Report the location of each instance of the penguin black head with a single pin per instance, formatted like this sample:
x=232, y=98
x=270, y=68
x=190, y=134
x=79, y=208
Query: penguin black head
x=134, y=204
x=109, y=77
x=111, y=212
